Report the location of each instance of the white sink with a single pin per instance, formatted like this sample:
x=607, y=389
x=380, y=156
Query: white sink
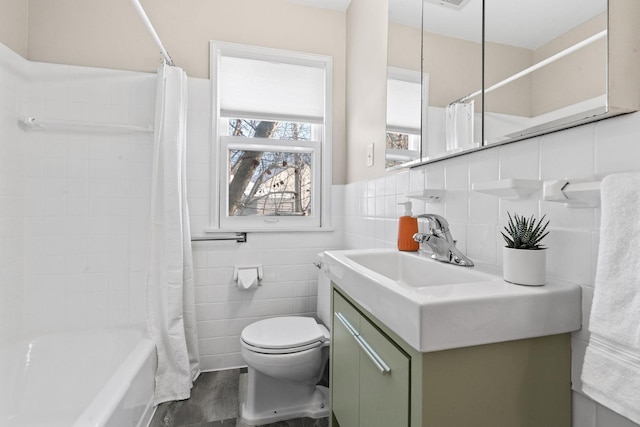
x=437, y=306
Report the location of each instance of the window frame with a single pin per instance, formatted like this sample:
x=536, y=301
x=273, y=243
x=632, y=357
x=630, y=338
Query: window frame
x=219, y=221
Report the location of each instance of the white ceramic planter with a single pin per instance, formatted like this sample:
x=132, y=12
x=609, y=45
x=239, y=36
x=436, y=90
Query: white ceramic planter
x=524, y=267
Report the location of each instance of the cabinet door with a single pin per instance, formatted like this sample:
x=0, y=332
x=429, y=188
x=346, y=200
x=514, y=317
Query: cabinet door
x=384, y=398
x=362, y=394
x=345, y=363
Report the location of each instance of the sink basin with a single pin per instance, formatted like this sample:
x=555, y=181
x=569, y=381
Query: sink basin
x=436, y=306
x=409, y=270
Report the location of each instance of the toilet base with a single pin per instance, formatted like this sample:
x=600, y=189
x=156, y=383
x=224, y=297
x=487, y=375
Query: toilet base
x=279, y=400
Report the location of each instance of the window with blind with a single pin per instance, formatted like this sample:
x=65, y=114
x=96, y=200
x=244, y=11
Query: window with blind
x=404, y=100
x=272, y=132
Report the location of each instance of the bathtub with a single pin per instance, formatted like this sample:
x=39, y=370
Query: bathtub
x=82, y=379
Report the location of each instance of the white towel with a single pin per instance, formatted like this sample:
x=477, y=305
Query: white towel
x=611, y=370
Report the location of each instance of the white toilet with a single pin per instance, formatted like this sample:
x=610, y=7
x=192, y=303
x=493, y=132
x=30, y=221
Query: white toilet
x=286, y=357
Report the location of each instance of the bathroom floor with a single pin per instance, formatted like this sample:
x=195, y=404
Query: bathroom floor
x=214, y=403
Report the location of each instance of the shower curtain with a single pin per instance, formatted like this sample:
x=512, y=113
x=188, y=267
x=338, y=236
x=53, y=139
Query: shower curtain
x=459, y=125
x=170, y=293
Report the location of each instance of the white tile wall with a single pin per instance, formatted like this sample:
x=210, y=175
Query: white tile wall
x=288, y=288
x=12, y=85
x=86, y=198
x=591, y=150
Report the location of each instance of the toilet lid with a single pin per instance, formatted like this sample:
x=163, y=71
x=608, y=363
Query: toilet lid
x=283, y=332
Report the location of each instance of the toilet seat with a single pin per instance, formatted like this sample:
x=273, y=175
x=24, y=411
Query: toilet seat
x=280, y=335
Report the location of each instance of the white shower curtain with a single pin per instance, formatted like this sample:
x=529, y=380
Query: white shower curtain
x=170, y=294
x=459, y=125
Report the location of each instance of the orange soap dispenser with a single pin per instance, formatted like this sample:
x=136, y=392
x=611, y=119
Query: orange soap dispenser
x=407, y=227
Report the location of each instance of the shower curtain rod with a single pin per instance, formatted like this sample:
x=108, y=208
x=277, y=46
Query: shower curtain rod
x=152, y=31
x=549, y=60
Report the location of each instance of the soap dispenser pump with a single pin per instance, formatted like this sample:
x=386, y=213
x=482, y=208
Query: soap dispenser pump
x=407, y=227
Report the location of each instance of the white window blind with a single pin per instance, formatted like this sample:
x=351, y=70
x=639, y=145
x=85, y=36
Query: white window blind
x=268, y=89
x=403, y=106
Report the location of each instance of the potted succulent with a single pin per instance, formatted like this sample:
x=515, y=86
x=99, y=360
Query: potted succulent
x=524, y=258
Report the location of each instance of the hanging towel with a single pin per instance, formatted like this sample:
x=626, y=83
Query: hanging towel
x=611, y=370
x=170, y=294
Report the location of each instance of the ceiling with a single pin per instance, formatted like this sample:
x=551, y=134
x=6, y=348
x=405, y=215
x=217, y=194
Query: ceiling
x=508, y=21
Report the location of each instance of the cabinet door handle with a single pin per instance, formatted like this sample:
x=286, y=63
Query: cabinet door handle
x=364, y=345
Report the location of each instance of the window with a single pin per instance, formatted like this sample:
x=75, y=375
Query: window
x=404, y=115
x=272, y=139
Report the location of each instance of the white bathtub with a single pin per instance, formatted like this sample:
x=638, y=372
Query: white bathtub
x=83, y=379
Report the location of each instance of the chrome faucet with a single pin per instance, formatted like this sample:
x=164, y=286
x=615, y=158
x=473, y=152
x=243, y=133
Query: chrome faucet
x=441, y=242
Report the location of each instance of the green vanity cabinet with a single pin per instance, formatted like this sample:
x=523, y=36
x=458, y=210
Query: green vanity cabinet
x=370, y=372
x=520, y=383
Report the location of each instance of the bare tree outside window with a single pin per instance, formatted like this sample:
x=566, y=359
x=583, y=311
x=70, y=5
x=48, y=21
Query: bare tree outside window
x=396, y=140
x=269, y=183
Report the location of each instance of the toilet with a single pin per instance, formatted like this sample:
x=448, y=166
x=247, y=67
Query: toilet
x=286, y=357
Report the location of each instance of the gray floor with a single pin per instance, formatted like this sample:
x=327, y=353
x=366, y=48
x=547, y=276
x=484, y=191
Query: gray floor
x=214, y=403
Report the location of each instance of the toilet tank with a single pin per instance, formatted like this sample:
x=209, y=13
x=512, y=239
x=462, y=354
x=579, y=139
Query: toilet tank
x=324, y=293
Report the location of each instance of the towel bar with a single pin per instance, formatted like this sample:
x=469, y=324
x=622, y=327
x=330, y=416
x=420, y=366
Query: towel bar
x=238, y=237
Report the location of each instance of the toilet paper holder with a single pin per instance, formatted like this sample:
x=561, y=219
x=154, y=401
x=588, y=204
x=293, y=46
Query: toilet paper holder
x=257, y=277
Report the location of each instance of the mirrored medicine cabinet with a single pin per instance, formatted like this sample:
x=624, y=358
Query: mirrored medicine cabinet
x=465, y=75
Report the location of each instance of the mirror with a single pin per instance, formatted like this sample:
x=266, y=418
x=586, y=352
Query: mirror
x=447, y=59
x=452, y=57
x=545, y=65
x=404, y=84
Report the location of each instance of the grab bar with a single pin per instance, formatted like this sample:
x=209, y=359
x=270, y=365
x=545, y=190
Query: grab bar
x=364, y=345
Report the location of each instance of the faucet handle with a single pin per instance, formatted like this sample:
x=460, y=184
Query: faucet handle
x=437, y=223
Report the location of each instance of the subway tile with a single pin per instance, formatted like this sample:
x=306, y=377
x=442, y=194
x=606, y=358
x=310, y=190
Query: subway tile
x=434, y=175
x=402, y=182
x=520, y=160
x=568, y=154
x=483, y=167
x=416, y=180
x=456, y=174
x=568, y=254
x=616, y=144
x=481, y=243
x=483, y=208
x=457, y=206
x=578, y=349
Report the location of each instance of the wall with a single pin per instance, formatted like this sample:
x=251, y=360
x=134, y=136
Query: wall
x=86, y=197
x=73, y=217
x=12, y=86
x=290, y=276
x=13, y=25
x=476, y=219
x=403, y=47
x=366, y=90
x=113, y=36
x=575, y=78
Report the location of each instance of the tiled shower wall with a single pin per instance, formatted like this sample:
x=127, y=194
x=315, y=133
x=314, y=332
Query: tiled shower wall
x=12, y=83
x=86, y=199
x=74, y=212
x=584, y=152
